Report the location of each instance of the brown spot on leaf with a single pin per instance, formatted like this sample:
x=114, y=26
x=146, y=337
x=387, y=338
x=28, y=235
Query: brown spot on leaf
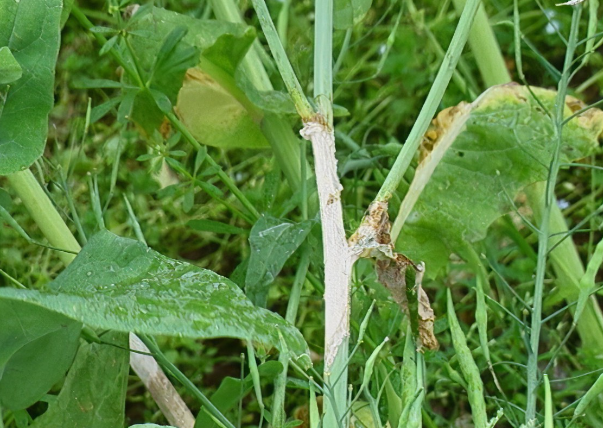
x=438, y=126
x=574, y=104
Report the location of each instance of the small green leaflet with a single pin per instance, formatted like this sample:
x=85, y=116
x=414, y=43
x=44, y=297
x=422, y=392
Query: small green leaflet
x=272, y=242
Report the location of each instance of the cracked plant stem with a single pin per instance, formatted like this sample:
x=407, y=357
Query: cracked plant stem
x=543, y=235
x=338, y=261
x=338, y=258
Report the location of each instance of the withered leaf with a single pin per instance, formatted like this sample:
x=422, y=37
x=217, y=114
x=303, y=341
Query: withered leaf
x=396, y=272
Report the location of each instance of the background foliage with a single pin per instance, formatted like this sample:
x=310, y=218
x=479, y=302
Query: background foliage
x=109, y=147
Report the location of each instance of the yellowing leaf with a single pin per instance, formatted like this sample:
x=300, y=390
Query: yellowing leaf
x=215, y=116
x=475, y=160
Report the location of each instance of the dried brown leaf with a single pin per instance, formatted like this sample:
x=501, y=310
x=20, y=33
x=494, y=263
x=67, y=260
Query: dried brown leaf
x=372, y=240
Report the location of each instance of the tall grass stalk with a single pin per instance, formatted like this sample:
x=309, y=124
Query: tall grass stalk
x=278, y=132
x=44, y=213
x=432, y=102
x=294, y=88
x=337, y=256
x=544, y=231
x=490, y=62
x=564, y=258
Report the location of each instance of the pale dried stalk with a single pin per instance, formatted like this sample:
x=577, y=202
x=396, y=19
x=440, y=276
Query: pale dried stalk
x=337, y=255
x=163, y=392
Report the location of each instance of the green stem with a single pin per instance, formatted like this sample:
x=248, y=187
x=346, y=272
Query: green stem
x=283, y=22
x=462, y=76
x=304, y=181
x=544, y=232
x=565, y=259
x=431, y=103
x=344, y=50
x=285, y=146
x=164, y=362
x=280, y=56
x=323, y=58
x=482, y=41
x=280, y=383
x=44, y=213
x=277, y=130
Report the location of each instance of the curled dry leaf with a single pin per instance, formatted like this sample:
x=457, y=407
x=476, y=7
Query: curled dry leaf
x=400, y=275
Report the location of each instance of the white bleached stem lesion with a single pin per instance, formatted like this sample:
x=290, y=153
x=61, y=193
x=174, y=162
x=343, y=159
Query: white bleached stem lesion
x=570, y=3
x=338, y=256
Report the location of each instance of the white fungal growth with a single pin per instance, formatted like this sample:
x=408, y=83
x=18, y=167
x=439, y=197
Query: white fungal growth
x=337, y=255
x=570, y=3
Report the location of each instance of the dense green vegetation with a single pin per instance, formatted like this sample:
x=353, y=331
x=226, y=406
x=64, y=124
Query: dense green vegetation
x=162, y=140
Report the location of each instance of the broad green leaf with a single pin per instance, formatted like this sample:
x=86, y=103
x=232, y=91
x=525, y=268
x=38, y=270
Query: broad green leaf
x=229, y=49
x=272, y=242
x=231, y=390
x=121, y=284
x=276, y=102
x=216, y=112
x=201, y=33
x=10, y=70
x=173, y=46
x=94, y=392
x=489, y=151
x=37, y=347
x=214, y=226
x=347, y=13
x=31, y=30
